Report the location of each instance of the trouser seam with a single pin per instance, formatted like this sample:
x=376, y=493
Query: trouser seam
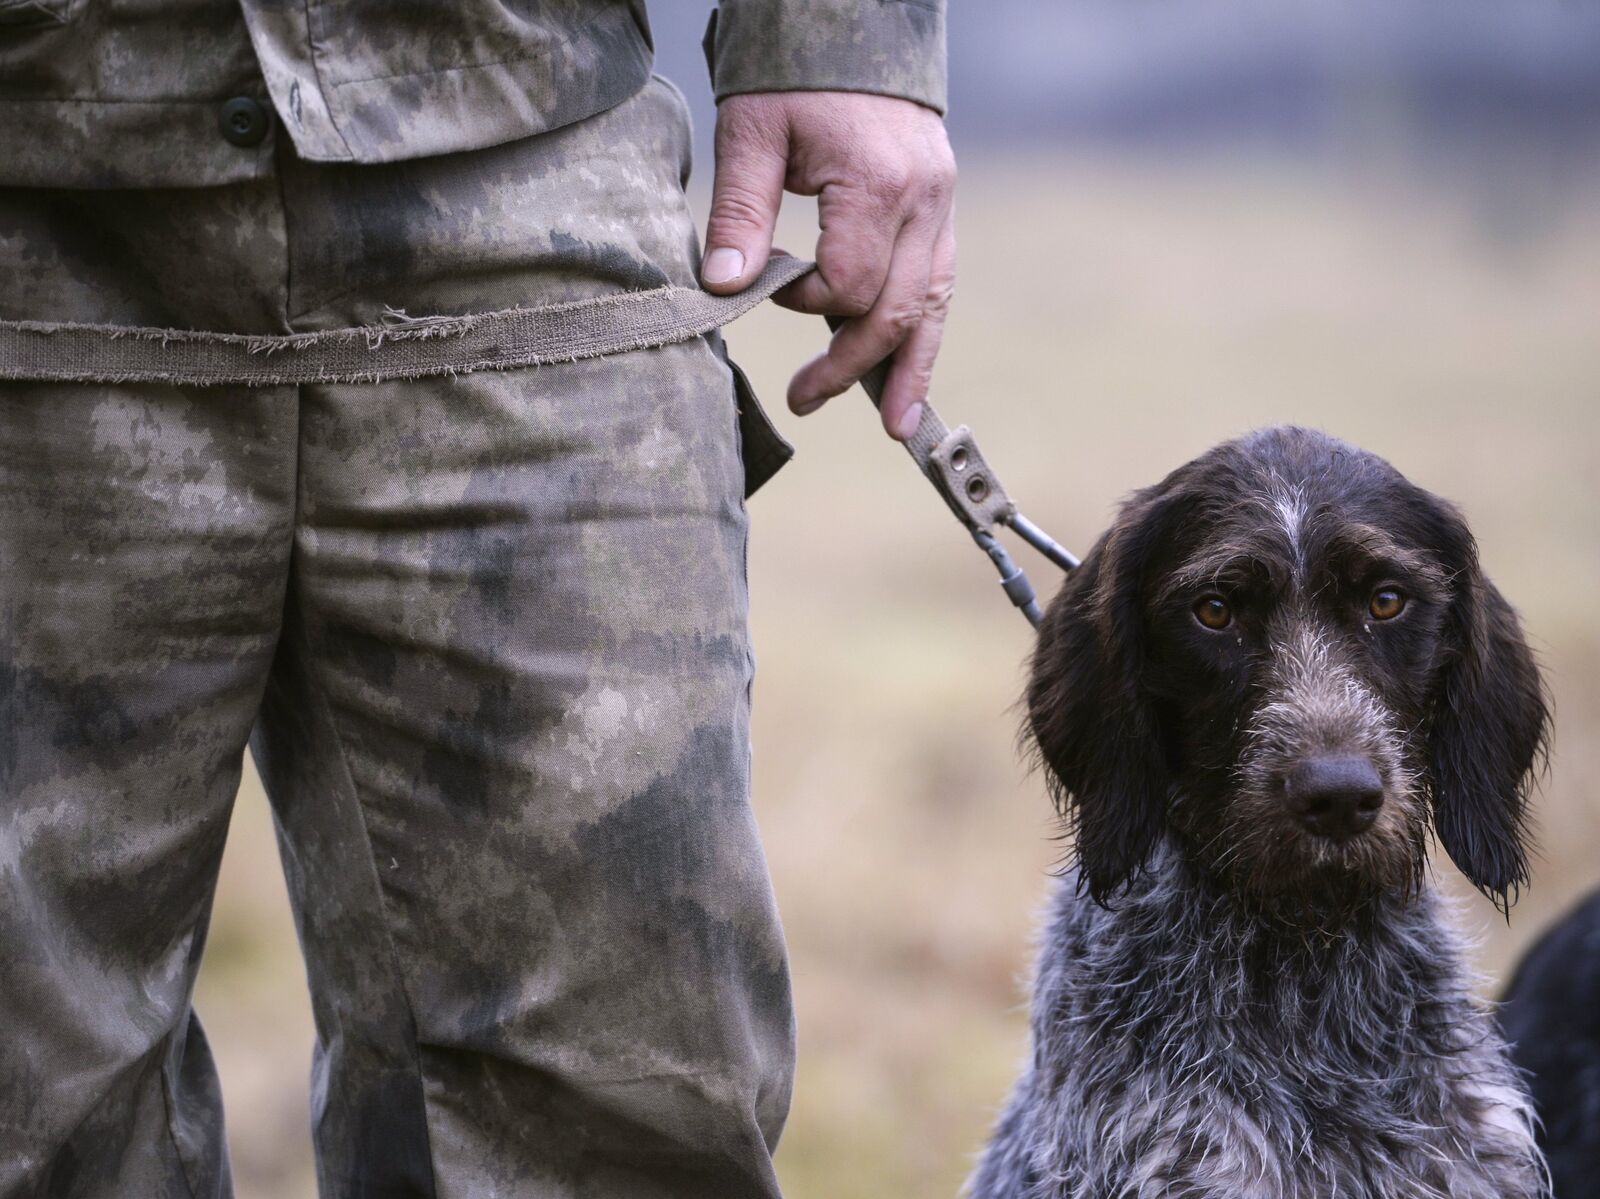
x=323, y=707
x=172, y=1112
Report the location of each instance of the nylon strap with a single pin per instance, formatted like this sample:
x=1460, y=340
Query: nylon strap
x=415, y=348
x=404, y=348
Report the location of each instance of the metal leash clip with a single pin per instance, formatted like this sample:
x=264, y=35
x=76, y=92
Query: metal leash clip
x=952, y=462
x=973, y=491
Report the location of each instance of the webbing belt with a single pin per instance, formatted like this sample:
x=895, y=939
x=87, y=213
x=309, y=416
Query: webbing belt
x=401, y=348
x=414, y=348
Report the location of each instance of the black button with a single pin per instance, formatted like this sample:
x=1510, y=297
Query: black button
x=243, y=121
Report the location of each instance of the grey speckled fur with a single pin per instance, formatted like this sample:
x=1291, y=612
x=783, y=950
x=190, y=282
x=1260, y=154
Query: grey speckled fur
x=1182, y=1048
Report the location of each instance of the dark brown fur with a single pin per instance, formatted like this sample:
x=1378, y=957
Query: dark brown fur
x=1148, y=722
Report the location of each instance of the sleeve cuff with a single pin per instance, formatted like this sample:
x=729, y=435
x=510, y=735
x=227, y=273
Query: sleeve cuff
x=891, y=47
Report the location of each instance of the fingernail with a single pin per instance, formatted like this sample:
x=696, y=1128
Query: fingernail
x=906, y=427
x=722, y=265
x=808, y=407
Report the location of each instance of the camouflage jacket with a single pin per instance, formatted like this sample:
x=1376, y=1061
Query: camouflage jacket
x=109, y=93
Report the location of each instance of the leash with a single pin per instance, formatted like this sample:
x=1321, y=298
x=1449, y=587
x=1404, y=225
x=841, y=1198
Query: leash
x=950, y=460
x=400, y=348
x=413, y=348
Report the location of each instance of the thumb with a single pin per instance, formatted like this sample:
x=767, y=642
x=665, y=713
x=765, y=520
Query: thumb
x=745, y=194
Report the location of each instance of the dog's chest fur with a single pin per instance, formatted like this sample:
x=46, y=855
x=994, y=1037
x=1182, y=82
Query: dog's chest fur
x=1182, y=1048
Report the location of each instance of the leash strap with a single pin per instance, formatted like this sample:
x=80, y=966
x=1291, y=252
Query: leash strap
x=415, y=348
x=404, y=348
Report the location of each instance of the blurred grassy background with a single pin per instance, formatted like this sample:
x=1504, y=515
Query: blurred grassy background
x=1116, y=315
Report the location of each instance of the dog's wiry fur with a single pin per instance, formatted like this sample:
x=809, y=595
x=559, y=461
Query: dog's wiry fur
x=1226, y=1003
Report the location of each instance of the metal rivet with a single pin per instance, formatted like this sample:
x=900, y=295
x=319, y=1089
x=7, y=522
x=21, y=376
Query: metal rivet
x=958, y=458
x=977, y=489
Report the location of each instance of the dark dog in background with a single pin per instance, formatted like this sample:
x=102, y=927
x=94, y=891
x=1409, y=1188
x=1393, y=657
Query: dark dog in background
x=1275, y=673
x=1551, y=1017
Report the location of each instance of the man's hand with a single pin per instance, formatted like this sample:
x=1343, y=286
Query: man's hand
x=883, y=175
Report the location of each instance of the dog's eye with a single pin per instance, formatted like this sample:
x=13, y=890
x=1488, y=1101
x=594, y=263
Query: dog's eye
x=1386, y=603
x=1213, y=612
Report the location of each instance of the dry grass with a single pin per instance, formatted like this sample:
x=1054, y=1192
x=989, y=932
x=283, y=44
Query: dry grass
x=1114, y=320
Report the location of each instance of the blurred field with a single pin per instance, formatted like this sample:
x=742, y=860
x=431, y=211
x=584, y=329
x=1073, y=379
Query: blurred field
x=1113, y=320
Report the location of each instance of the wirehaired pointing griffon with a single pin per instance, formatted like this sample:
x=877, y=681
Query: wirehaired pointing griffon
x=1276, y=672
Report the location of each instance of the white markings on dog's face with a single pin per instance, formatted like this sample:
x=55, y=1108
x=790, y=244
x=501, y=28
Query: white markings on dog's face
x=1288, y=504
x=1315, y=704
x=1308, y=688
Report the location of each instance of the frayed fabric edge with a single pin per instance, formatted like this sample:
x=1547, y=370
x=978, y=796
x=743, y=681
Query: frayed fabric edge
x=403, y=348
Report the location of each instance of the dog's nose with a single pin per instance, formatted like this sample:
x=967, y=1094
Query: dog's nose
x=1335, y=797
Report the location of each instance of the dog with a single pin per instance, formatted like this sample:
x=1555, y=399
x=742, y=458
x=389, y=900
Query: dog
x=1277, y=671
x=1550, y=1016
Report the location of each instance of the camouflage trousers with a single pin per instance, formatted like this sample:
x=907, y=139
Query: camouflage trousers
x=485, y=637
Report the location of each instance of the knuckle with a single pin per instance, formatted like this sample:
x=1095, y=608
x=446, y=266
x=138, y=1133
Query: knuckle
x=798, y=298
x=942, y=181
x=920, y=363
x=826, y=381
x=920, y=378
x=937, y=168
x=899, y=177
x=749, y=121
x=854, y=292
x=737, y=205
x=852, y=303
x=889, y=179
x=898, y=319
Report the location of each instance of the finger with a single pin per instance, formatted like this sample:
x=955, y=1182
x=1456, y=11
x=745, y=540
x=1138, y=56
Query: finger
x=746, y=192
x=863, y=342
x=910, y=375
x=854, y=252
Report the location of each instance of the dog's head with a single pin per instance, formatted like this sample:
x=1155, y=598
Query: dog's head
x=1284, y=656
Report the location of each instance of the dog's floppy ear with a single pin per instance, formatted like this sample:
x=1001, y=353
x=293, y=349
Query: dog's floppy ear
x=1094, y=728
x=1489, y=726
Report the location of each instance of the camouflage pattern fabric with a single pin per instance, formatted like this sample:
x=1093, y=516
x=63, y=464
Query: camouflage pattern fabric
x=486, y=639
x=892, y=47
x=104, y=93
